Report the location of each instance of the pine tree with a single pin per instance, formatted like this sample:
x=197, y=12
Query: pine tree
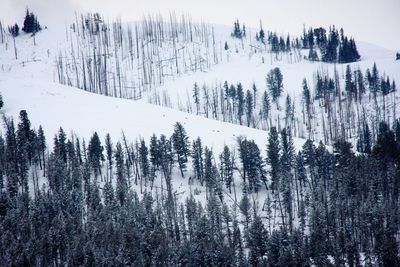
x=287, y=161
x=209, y=174
x=240, y=102
x=109, y=153
x=307, y=103
x=245, y=207
x=196, y=97
x=181, y=146
x=154, y=153
x=41, y=144
x=1, y=101
x=14, y=30
x=349, y=80
x=11, y=158
x=226, y=47
x=266, y=106
x=249, y=107
x=95, y=154
x=226, y=168
x=275, y=83
x=60, y=149
x=144, y=161
x=198, y=162
x=273, y=156
x=165, y=155
x=25, y=147
x=122, y=184
x=257, y=242
x=31, y=24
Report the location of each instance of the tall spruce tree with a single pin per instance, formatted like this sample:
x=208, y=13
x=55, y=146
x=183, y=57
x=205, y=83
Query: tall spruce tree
x=275, y=83
x=180, y=142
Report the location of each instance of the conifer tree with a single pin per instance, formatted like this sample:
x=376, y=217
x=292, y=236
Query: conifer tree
x=95, y=154
x=122, y=184
x=266, y=106
x=226, y=169
x=240, y=102
x=257, y=242
x=249, y=107
x=196, y=97
x=144, y=161
x=31, y=24
x=181, y=146
x=273, y=156
x=275, y=83
x=198, y=161
x=109, y=153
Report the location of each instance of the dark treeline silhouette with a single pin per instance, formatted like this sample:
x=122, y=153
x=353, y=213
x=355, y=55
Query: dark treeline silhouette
x=75, y=203
x=332, y=46
x=31, y=23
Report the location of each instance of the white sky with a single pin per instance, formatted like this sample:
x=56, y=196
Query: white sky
x=374, y=21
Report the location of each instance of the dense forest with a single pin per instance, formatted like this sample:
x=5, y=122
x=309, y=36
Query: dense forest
x=95, y=203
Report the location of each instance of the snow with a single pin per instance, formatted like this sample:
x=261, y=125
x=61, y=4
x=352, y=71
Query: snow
x=30, y=83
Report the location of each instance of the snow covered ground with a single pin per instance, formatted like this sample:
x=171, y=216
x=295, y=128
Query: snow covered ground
x=30, y=83
x=36, y=69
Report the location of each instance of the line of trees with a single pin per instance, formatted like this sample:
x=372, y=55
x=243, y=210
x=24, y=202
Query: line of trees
x=332, y=46
x=317, y=208
x=334, y=106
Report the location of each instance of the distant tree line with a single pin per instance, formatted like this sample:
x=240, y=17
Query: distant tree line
x=332, y=46
x=30, y=25
x=333, y=106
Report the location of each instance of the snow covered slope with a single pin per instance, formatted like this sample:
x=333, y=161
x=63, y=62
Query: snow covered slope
x=53, y=105
x=29, y=83
x=36, y=64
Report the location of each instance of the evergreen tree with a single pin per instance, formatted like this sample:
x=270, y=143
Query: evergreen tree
x=181, y=146
x=226, y=47
x=109, y=153
x=31, y=24
x=226, y=168
x=249, y=107
x=275, y=83
x=144, y=160
x=122, y=184
x=14, y=30
x=257, y=242
x=273, y=156
x=196, y=97
x=287, y=161
x=154, y=153
x=209, y=173
x=95, y=154
x=266, y=106
x=240, y=102
x=198, y=162
x=11, y=158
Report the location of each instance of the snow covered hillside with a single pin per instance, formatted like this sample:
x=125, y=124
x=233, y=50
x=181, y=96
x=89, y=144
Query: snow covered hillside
x=196, y=55
x=53, y=106
x=168, y=142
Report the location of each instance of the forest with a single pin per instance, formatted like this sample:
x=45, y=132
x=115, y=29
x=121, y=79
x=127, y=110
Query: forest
x=95, y=203
x=321, y=188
